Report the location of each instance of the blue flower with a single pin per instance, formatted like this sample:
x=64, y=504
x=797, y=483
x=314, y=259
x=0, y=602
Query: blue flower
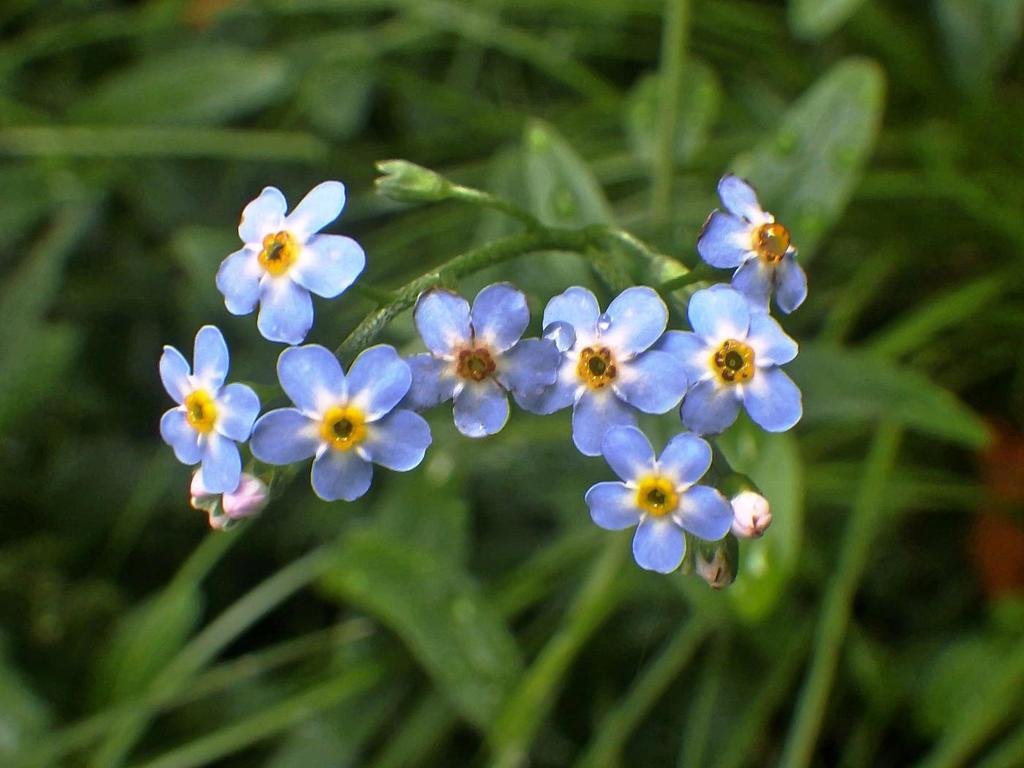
x=210, y=417
x=749, y=238
x=284, y=259
x=607, y=371
x=659, y=496
x=732, y=357
x=476, y=356
x=345, y=421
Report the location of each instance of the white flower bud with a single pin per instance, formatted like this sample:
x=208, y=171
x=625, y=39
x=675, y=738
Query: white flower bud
x=751, y=515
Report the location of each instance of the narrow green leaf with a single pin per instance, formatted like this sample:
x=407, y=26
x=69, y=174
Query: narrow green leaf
x=438, y=610
x=979, y=36
x=337, y=99
x=806, y=173
x=773, y=462
x=24, y=717
x=843, y=386
x=200, y=86
x=813, y=19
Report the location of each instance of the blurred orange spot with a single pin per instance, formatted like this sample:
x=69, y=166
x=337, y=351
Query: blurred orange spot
x=997, y=538
x=200, y=14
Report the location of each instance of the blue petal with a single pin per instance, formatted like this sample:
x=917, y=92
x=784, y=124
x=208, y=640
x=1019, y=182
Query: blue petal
x=481, y=408
x=316, y=210
x=311, y=376
x=341, y=475
x=659, y=545
x=685, y=459
x=238, y=278
x=576, y=306
x=286, y=310
x=433, y=382
x=612, y=506
x=709, y=408
x=593, y=415
x=691, y=350
x=739, y=198
x=772, y=400
x=638, y=318
x=237, y=408
x=378, y=379
x=178, y=433
x=724, y=241
x=262, y=216
x=398, y=441
x=530, y=366
x=770, y=343
x=442, y=319
x=719, y=313
x=559, y=395
x=328, y=264
x=792, y=284
x=704, y=512
x=174, y=373
x=628, y=452
x=754, y=280
x=284, y=436
x=222, y=465
x=654, y=381
x=210, y=358
x=500, y=315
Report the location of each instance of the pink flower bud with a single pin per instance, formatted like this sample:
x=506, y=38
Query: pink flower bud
x=751, y=515
x=200, y=497
x=249, y=498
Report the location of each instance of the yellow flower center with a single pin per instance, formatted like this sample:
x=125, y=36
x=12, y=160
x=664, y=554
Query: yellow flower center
x=596, y=367
x=200, y=411
x=656, y=496
x=279, y=252
x=734, y=362
x=771, y=241
x=343, y=428
x=475, y=363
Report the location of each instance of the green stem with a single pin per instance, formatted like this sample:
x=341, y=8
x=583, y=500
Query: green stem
x=463, y=264
x=673, y=63
x=699, y=273
x=486, y=200
x=861, y=530
x=527, y=706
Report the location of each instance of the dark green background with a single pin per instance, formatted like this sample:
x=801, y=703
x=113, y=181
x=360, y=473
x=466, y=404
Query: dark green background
x=469, y=613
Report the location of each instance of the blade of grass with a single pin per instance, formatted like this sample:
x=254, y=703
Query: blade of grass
x=673, y=63
x=700, y=715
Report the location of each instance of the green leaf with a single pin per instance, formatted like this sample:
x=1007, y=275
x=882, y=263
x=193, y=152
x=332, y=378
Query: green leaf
x=958, y=681
x=200, y=86
x=813, y=19
x=979, y=35
x=806, y=173
x=24, y=717
x=563, y=191
x=773, y=462
x=843, y=386
x=438, y=611
x=699, y=100
x=337, y=99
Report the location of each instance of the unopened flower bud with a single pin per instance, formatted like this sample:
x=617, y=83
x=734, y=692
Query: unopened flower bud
x=201, y=498
x=248, y=499
x=751, y=515
x=410, y=183
x=717, y=561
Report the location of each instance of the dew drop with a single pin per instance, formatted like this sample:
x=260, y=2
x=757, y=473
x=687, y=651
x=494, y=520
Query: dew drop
x=603, y=323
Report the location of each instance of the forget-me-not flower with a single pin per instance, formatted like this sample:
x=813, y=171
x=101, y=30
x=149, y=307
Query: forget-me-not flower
x=659, y=496
x=347, y=422
x=732, y=357
x=477, y=356
x=210, y=417
x=284, y=259
x=608, y=370
x=747, y=237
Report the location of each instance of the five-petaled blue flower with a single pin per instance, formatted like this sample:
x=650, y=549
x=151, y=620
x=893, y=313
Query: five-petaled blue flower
x=345, y=421
x=608, y=370
x=477, y=356
x=749, y=238
x=732, y=357
x=284, y=259
x=210, y=417
x=659, y=496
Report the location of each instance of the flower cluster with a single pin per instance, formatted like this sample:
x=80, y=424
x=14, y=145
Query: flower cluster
x=608, y=366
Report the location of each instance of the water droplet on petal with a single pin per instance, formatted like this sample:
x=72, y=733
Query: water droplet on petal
x=603, y=323
x=562, y=334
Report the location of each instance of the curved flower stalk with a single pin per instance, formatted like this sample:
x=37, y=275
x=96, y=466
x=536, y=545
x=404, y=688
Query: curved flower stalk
x=284, y=260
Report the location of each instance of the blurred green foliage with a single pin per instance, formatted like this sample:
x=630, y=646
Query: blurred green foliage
x=469, y=613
